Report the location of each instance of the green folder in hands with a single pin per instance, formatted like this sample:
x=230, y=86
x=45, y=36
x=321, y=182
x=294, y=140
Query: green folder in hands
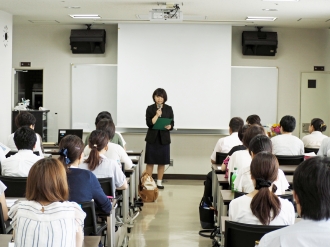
x=161, y=123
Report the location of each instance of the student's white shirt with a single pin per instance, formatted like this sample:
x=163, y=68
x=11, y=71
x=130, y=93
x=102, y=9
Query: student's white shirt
x=108, y=168
x=19, y=165
x=314, y=139
x=305, y=233
x=240, y=211
x=239, y=159
x=243, y=181
x=287, y=144
x=324, y=148
x=115, y=152
x=122, y=138
x=12, y=146
x=225, y=144
x=2, y=155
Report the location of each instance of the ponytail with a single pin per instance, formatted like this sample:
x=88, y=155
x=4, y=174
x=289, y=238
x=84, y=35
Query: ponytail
x=71, y=147
x=318, y=124
x=98, y=140
x=265, y=205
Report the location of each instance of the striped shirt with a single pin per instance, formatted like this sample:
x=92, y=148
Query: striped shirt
x=56, y=226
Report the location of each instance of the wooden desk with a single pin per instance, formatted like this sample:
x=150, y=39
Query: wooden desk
x=89, y=241
x=288, y=169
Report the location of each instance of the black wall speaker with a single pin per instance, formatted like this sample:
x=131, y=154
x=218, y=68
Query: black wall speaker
x=257, y=43
x=90, y=41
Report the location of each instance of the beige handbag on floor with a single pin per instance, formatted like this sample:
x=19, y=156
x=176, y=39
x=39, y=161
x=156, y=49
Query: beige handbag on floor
x=148, y=190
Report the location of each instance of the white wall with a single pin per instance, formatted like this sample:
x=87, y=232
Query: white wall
x=6, y=24
x=48, y=47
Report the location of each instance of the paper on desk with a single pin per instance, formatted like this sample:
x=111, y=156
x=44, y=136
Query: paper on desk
x=4, y=148
x=10, y=202
x=219, y=167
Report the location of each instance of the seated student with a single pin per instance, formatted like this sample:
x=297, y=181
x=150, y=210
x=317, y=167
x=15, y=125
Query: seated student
x=83, y=184
x=117, y=138
x=286, y=143
x=25, y=118
x=253, y=119
x=262, y=206
x=312, y=196
x=242, y=158
x=226, y=143
x=19, y=164
x=243, y=181
x=3, y=201
x=46, y=218
x=100, y=165
x=114, y=152
x=316, y=137
x=324, y=150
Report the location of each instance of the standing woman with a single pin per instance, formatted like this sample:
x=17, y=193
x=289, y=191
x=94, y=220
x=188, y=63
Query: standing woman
x=158, y=141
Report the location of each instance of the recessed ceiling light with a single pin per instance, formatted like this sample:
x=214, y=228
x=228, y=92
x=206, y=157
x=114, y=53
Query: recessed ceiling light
x=72, y=7
x=269, y=9
x=85, y=16
x=255, y=18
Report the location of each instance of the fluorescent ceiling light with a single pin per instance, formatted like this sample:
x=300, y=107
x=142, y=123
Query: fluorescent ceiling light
x=269, y=9
x=72, y=7
x=281, y=0
x=255, y=18
x=85, y=16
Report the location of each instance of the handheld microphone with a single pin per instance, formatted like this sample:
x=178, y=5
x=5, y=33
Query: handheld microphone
x=159, y=106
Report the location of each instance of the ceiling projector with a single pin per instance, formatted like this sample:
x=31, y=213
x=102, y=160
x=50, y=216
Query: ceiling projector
x=168, y=14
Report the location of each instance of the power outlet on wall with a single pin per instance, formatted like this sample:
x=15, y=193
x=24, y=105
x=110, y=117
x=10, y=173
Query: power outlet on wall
x=171, y=162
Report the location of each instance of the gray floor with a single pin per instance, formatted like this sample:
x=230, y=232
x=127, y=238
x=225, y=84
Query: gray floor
x=173, y=220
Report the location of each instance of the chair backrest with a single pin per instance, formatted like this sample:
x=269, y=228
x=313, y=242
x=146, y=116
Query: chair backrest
x=230, y=181
x=2, y=222
x=90, y=226
x=290, y=159
x=311, y=150
x=16, y=186
x=238, y=194
x=106, y=185
x=239, y=234
x=220, y=157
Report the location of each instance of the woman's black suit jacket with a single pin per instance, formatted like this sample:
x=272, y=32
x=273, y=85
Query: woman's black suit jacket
x=167, y=112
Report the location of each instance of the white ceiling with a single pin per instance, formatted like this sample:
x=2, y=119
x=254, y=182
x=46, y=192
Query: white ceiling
x=301, y=14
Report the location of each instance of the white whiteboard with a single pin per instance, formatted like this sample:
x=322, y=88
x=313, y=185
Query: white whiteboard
x=94, y=89
x=191, y=62
x=254, y=91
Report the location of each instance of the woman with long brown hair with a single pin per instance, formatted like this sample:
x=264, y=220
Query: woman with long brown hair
x=99, y=164
x=47, y=218
x=262, y=206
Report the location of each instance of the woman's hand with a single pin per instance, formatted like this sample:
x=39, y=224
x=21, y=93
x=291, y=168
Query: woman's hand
x=168, y=127
x=159, y=112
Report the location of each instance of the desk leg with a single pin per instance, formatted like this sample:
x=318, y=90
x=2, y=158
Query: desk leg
x=214, y=188
x=125, y=203
x=137, y=179
x=220, y=209
x=111, y=222
x=132, y=188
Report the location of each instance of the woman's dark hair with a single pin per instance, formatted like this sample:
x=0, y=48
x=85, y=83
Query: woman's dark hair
x=161, y=93
x=74, y=147
x=242, y=130
x=98, y=140
x=103, y=115
x=107, y=126
x=47, y=181
x=25, y=138
x=265, y=205
x=251, y=132
x=311, y=183
x=25, y=118
x=288, y=123
x=253, y=119
x=236, y=123
x=318, y=124
x=260, y=143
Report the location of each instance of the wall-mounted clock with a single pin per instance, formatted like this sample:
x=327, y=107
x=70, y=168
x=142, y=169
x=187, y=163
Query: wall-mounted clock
x=5, y=36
